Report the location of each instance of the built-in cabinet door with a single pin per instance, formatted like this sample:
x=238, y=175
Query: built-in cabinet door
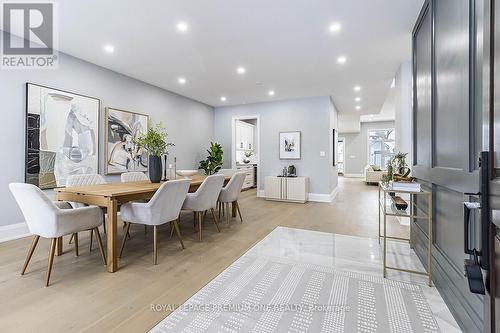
x=239, y=135
x=273, y=188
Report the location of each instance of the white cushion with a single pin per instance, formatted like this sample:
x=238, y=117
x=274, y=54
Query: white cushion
x=233, y=188
x=206, y=196
x=83, y=180
x=135, y=176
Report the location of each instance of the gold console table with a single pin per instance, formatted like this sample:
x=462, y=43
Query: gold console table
x=414, y=213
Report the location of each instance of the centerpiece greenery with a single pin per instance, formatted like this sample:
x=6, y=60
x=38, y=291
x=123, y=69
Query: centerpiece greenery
x=213, y=162
x=155, y=142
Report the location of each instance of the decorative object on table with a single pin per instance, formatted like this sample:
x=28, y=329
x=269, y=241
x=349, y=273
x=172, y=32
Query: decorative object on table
x=402, y=171
x=290, y=145
x=165, y=156
x=247, y=154
x=213, y=162
x=62, y=135
x=292, y=171
x=155, y=142
x=122, y=130
x=175, y=167
x=186, y=173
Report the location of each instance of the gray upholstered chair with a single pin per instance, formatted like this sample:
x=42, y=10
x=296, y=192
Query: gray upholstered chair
x=230, y=193
x=204, y=199
x=83, y=180
x=133, y=176
x=164, y=207
x=48, y=220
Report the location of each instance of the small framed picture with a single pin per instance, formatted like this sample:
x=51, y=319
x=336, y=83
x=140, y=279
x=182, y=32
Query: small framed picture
x=290, y=145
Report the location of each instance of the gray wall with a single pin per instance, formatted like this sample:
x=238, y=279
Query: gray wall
x=356, y=146
x=189, y=123
x=403, y=112
x=310, y=115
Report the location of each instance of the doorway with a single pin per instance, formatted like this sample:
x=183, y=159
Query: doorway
x=340, y=156
x=245, y=148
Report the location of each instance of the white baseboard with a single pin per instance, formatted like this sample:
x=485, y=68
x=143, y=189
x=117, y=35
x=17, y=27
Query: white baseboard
x=316, y=197
x=354, y=175
x=13, y=231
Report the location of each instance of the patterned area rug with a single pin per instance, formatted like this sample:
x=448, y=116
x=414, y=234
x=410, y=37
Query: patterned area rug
x=273, y=294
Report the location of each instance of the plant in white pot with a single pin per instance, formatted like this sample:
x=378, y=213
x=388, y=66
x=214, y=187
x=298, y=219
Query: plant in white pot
x=155, y=142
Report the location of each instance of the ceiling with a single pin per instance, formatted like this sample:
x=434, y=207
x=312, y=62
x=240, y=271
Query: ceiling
x=284, y=45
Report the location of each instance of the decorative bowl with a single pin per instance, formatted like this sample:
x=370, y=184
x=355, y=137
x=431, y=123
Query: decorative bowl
x=187, y=173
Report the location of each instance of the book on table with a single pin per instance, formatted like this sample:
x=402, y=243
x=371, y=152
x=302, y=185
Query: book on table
x=406, y=186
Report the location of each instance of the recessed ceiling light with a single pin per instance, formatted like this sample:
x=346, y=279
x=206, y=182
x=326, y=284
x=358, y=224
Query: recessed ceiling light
x=241, y=70
x=357, y=99
x=335, y=27
x=181, y=80
x=223, y=98
x=109, y=48
x=341, y=60
x=358, y=107
x=182, y=27
x=271, y=93
x=357, y=88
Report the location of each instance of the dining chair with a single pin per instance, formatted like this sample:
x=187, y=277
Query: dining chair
x=230, y=193
x=83, y=180
x=204, y=199
x=133, y=176
x=164, y=206
x=49, y=220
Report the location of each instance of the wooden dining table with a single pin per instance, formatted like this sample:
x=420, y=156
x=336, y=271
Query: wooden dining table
x=111, y=196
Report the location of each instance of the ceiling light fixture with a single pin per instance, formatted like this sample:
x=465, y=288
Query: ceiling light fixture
x=271, y=93
x=335, y=27
x=357, y=99
x=241, y=70
x=181, y=80
x=182, y=27
x=109, y=48
x=223, y=98
x=341, y=60
x=357, y=88
x=358, y=107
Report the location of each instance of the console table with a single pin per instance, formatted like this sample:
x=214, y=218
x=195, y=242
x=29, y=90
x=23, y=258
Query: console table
x=292, y=189
x=413, y=212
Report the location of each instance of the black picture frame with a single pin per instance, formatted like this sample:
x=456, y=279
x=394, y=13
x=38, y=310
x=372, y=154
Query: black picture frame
x=334, y=147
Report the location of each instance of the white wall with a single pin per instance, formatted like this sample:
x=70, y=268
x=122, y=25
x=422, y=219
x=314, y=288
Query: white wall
x=403, y=108
x=311, y=116
x=189, y=123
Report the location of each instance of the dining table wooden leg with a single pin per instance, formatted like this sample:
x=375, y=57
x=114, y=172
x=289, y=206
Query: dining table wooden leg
x=59, y=246
x=111, y=229
x=233, y=210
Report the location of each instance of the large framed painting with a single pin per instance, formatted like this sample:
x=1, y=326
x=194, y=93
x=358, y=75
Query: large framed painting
x=62, y=135
x=122, y=155
x=290, y=145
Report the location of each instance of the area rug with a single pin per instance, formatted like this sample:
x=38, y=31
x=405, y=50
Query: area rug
x=266, y=293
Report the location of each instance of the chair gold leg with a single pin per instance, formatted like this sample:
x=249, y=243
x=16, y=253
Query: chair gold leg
x=145, y=229
x=71, y=238
x=51, y=260
x=218, y=208
x=91, y=239
x=76, y=244
x=216, y=221
x=175, y=226
x=223, y=208
x=125, y=227
x=195, y=217
x=199, y=224
x=104, y=223
x=99, y=242
x=124, y=239
x=238, y=209
x=155, y=246
x=30, y=253
x=227, y=212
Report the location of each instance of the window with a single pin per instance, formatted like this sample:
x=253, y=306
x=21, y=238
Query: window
x=381, y=147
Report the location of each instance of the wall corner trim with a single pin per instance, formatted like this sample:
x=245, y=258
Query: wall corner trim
x=13, y=231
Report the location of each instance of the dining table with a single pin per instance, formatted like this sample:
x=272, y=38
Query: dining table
x=110, y=196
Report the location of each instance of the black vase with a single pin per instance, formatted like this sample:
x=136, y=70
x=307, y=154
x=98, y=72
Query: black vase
x=154, y=168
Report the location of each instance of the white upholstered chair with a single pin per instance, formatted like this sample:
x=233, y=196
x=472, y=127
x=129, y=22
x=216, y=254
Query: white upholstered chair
x=164, y=207
x=230, y=193
x=83, y=180
x=227, y=172
x=133, y=176
x=46, y=219
x=204, y=199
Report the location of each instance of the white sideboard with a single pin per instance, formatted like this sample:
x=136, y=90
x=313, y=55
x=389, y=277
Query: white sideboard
x=250, y=172
x=293, y=189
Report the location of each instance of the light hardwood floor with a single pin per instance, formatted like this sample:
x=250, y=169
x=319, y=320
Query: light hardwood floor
x=83, y=297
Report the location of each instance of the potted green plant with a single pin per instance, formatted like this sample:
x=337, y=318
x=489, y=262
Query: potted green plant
x=155, y=142
x=213, y=162
x=247, y=154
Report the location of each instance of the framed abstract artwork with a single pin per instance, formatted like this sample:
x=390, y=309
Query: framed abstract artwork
x=62, y=135
x=122, y=155
x=290, y=145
